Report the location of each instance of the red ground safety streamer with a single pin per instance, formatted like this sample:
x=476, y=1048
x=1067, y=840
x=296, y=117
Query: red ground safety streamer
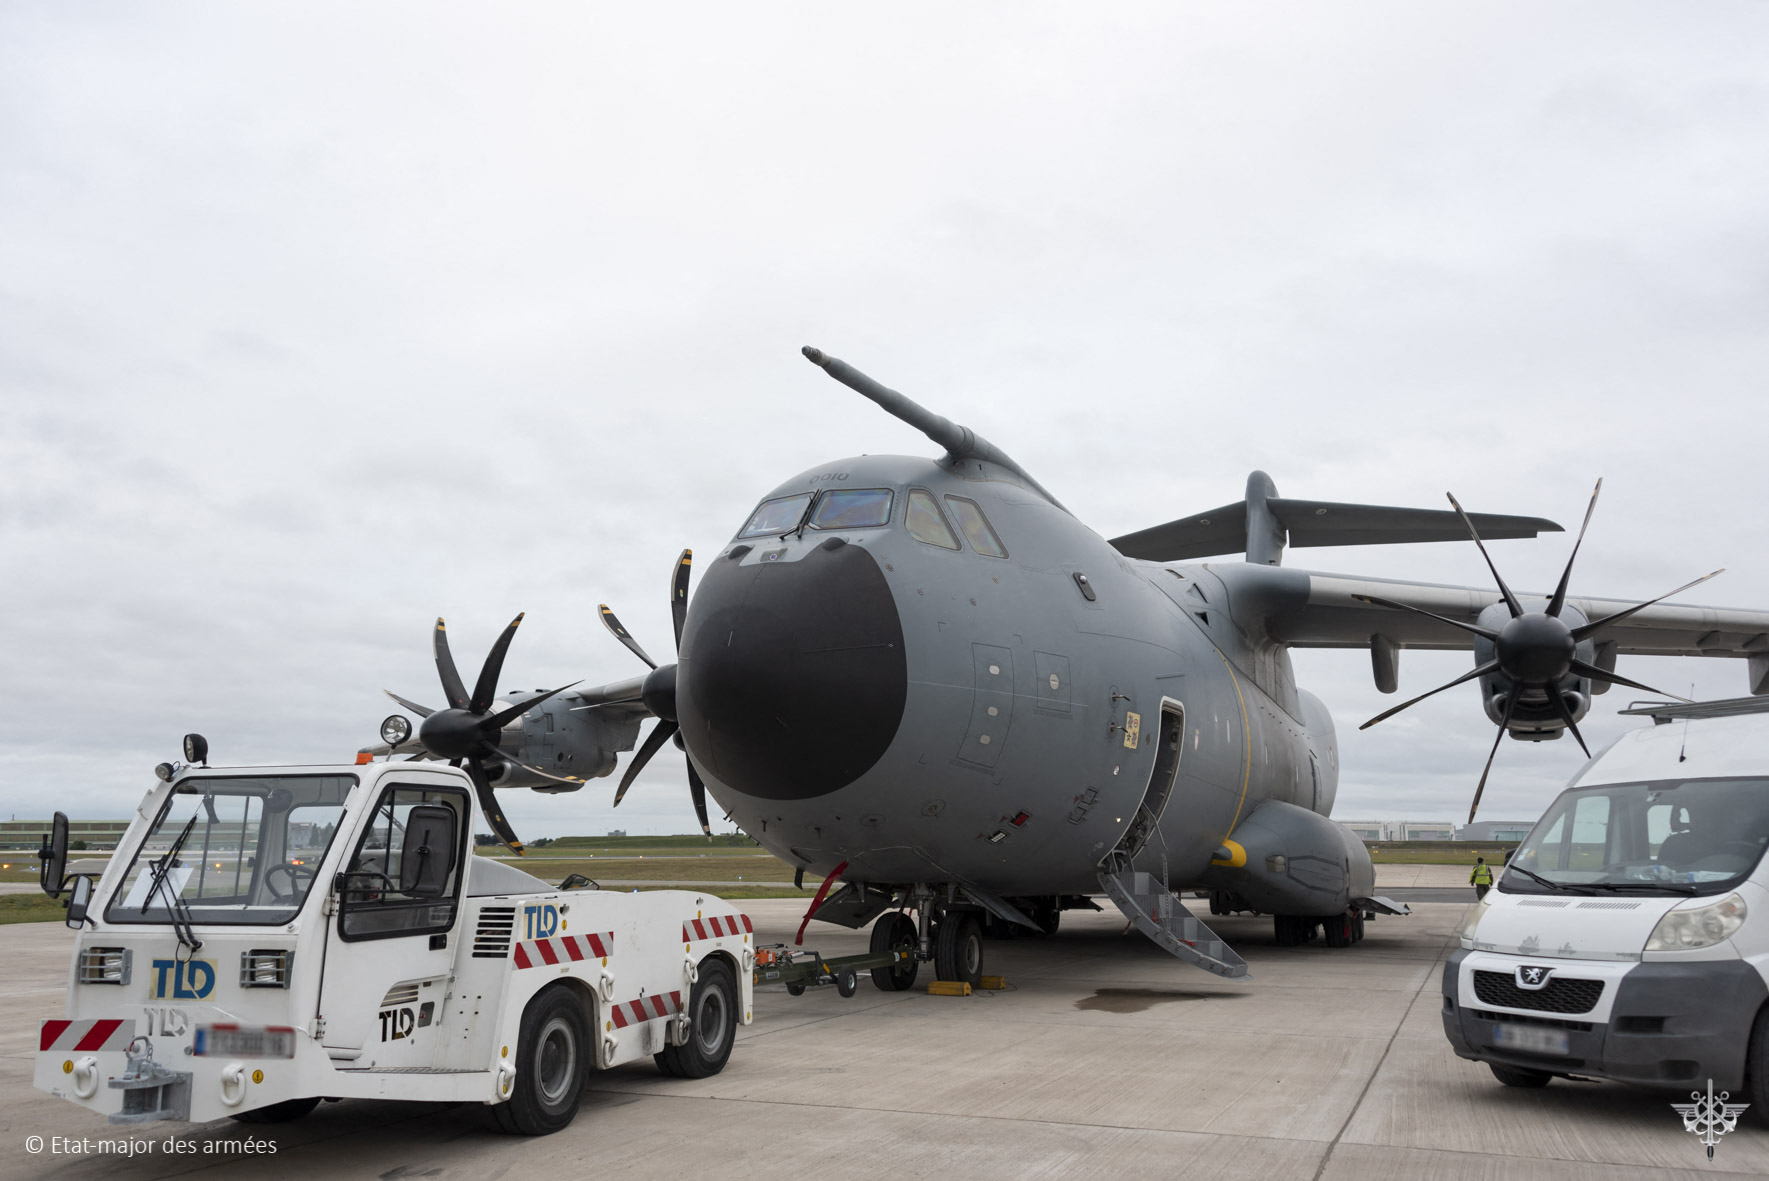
x=818, y=901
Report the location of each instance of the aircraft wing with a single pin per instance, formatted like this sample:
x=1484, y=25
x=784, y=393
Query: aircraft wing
x=1305, y=609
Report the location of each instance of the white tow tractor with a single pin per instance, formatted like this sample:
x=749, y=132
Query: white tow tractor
x=268, y=937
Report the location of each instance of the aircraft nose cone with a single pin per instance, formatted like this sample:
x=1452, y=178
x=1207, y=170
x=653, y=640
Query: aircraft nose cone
x=1536, y=649
x=794, y=672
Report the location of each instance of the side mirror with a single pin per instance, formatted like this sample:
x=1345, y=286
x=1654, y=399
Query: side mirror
x=429, y=853
x=78, y=900
x=53, y=856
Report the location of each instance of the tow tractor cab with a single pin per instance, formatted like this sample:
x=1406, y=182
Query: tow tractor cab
x=267, y=937
x=1628, y=937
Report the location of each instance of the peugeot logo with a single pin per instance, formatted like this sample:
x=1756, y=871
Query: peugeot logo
x=1532, y=976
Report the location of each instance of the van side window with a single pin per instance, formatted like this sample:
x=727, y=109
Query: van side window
x=925, y=522
x=976, y=527
x=376, y=901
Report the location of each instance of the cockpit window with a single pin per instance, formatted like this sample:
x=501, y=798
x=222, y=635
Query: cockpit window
x=924, y=522
x=777, y=516
x=976, y=527
x=853, y=508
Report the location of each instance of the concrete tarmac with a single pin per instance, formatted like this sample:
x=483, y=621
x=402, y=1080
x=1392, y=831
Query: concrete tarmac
x=1105, y=1058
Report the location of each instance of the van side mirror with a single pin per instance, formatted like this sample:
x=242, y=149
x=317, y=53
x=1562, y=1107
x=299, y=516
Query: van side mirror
x=78, y=900
x=53, y=856
x=429, y=853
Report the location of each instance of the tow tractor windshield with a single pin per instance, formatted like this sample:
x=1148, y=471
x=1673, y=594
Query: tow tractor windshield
x=254, y=847
x=1668, y=836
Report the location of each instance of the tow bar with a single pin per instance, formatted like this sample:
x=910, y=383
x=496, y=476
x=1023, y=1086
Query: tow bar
x=777, y=963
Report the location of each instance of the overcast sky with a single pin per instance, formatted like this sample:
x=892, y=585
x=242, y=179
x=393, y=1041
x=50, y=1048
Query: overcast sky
x=320, y=320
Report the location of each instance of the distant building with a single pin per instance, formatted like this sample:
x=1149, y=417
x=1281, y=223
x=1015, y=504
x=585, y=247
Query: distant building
x=28, y=834
x=617, y=832
x=1496, y=830
x=1401, y=830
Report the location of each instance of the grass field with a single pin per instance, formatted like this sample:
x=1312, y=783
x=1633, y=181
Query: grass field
x=30, y=908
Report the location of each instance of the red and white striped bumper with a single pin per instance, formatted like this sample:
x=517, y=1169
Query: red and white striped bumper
x=563, y=949
x=720, y=926
x=85, y=1037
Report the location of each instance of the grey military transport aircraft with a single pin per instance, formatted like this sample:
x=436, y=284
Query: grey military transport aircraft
x=926, y=680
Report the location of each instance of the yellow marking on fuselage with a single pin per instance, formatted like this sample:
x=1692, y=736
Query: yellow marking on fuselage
x=1237, y=856
x=1246, y=740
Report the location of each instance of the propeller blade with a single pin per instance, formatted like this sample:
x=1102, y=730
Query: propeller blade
x=488, y=804
x=1484, y=632
x=1598, y=625
x=452, y=688
x=1504, y=725
x=1479, y=670
x=697, y=793
x=487, y=686
x=624, y=636
x=421, y=711
x=496, y=721
x=1597, y=674
x=659, y=735
x=679, y=593
x=1559, y=599
x=1510, y=599
x=1566, y=716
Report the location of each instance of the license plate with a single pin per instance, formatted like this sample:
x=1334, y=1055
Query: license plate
x=1532, y=1039
x=244, y=1041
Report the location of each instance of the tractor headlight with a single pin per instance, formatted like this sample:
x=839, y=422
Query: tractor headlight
x=1472, y=920
x=1704, y=926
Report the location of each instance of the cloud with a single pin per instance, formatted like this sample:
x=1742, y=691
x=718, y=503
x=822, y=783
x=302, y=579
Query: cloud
x=324, y=321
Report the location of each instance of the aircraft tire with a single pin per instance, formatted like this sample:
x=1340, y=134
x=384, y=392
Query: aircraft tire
x=893, y=931
x=1287, y=929
x=1357, y=928
x=712, y=1031
x=958, y=949
x=553, y=1058
x=1338, y=930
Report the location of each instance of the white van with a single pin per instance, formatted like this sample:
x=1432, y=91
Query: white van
x=1628, y=938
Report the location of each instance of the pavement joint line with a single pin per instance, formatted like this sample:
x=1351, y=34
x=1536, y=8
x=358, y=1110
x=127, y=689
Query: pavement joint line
x=1327, y=1157
x=1005, y=1119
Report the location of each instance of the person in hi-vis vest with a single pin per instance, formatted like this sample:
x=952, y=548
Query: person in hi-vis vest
x=1482, y=877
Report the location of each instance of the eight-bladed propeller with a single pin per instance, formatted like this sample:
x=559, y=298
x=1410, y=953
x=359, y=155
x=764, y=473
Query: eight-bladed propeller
x=659, y=693
x=1534, y=650
x=467, y=731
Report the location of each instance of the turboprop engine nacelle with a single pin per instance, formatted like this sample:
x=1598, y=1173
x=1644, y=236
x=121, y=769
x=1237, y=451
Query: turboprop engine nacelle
x=1533, y=652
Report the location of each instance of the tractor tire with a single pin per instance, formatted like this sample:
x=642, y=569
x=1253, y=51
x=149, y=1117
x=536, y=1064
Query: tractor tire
x=714, y=1006
x=554, y=1055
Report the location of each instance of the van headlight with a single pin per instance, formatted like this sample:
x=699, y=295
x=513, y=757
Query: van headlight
x=1704, y=926
x=1472, y=921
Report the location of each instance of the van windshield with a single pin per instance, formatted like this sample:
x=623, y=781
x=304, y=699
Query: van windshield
x=1673, y=836
x=250, y=849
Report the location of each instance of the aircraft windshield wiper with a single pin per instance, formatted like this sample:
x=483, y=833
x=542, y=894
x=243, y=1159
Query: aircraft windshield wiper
x=176, y=907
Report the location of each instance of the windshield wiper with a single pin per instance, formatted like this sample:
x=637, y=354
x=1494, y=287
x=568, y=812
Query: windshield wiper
x=1674, y=887
x=1570, y=887
x=175, y=904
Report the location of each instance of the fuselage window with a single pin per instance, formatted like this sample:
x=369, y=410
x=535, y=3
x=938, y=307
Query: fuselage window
x=777, y=516
x=924, y=522
x=853, y=508
x=976, y=527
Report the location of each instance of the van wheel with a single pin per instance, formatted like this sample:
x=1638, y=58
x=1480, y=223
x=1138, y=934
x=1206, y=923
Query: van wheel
x=958, y=949
x=895, y=932
x=1756, y=1068
x=712, y=1025
x=552, y=1065
x=1519, y=1076
x=278, y=1113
